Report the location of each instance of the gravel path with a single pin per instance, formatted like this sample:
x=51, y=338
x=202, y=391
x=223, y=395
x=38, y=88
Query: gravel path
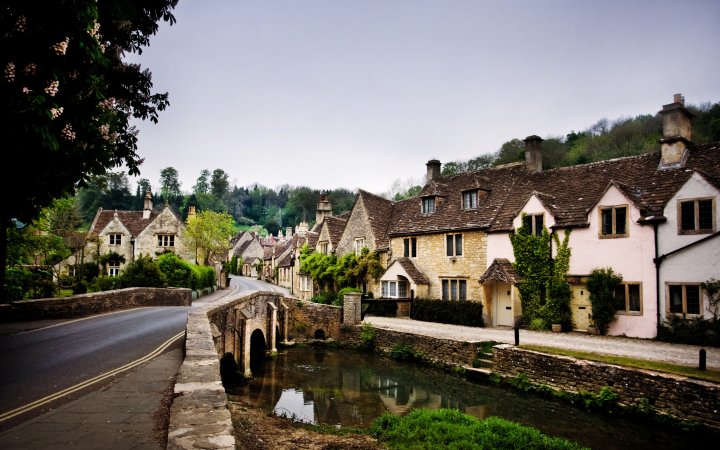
x=686, y=355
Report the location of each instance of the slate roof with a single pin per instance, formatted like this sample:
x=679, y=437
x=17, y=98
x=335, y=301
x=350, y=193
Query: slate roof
x=411, y=270
x=379, y=211
x=335, y=226
x=133, y=220
x=569, y=193
x=501, y=270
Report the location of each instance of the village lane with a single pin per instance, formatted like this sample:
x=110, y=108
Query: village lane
x=685, y=355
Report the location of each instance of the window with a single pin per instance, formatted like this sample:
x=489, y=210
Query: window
x=696, y=216
x=166, y=240
x=304, y=283
x=470, y=199
x=115, y=239
x=394, y=289
x=627, y=298
x=453, y=244
x=410, y=247
x=324, y=248
x=428, y=205
x=359, y=245
x=114, y=269
x=684, y=298
x=613, y=222
x=453, y=289
x=534, y=223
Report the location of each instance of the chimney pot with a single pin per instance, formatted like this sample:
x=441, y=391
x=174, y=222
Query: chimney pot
x=677, y=133
x=533, y=153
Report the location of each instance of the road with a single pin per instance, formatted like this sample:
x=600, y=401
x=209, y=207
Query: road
x=48, y=366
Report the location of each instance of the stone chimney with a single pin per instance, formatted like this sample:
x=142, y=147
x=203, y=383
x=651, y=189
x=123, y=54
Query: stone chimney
x=191, y=212
x=324, y=208
x=148, y=206
x=433, y=170
x=533, y=153
x=288, y=232
x=677, y=133
x=302, y=228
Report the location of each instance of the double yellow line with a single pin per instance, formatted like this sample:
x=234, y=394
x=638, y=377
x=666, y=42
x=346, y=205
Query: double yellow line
x=45, y=400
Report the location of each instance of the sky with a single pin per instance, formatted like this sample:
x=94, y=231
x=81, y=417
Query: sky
x=362, y=93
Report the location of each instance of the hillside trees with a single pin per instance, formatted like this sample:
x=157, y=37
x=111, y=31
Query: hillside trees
x=68, y=96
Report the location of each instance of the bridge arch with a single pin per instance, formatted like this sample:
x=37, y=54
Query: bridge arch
x=258, y=349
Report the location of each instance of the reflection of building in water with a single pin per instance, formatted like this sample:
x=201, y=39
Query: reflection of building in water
x=400, y=399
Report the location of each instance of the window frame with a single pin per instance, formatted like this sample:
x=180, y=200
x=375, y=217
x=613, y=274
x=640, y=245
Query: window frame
x=696, y=216
x=324, y=247
x=626, y=300
x=359, y=244
x=410, y=247
x=613, y=211
x=459, y=294
x=532, y=220
x=115, y=239
x=470, y=199
x=684, y=286
x=113, y=269
x=428, y=205
x=451, y=245
x=166, y=240
x=304, y=284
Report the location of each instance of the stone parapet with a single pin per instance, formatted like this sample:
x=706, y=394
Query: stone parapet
x=95, y=303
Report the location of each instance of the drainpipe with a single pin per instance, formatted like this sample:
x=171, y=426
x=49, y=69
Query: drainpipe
x=658, y=262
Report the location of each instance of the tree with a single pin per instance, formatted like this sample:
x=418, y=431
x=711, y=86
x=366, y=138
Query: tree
x=68, y=97
x=219, y=185
x=170, y=186
x=510, y=152
x=209, y=232
x=201, y=185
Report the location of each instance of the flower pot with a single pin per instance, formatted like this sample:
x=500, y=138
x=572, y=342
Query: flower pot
x=556, y=327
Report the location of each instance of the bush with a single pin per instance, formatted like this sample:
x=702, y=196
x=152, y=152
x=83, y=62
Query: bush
x=16, y=282
x=694, y=331
x=143, y=272
x=459, y=313
x=178, y=272
x=402, y=352
x=106, y=283
x=601, y=285
x=340, y=297
x=203, y=277
x=325, y=298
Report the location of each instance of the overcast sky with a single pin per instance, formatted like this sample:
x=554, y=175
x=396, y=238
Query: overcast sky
x=362, y=93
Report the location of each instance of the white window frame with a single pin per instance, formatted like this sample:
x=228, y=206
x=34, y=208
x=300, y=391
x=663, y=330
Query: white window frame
x=359, y=245
x=166, y=240
x=470, y=199
x=114, y=269
x=115, y=238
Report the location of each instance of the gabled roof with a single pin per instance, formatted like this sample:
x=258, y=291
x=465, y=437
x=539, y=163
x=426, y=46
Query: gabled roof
x=379, y=212
x=501, y=270
x=411, y=270
x=133, y=220
x=335, y=227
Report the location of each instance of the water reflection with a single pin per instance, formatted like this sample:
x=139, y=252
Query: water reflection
x=345, y=388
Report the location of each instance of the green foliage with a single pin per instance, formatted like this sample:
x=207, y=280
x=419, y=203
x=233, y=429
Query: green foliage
x=28, y=283
x=402, y=352
x=143, y=272
x=177, y=271
x=203, y=277
x=444, y=311
x=367, y=336
x=349, y=270
x=601, y=286
x=301, y=327
x=544, y=292
x=209, y=233
x=450, y=428
x=106, y=283
x=694, y=331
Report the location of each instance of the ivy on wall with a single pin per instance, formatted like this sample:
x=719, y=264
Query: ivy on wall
x=544, y=291
x=349, y=270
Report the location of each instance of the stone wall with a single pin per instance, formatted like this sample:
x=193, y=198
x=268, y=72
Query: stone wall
x=307, y=317
x=437, y=352
x=95, y=303
x=433, y=262
x=677, y=396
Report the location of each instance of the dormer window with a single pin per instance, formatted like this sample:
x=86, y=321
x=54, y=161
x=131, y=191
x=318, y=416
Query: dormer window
x=534, y=223
x=470, y=199
x=613, y=222
x=166, y=240
x=428, y=205
x=115, y=239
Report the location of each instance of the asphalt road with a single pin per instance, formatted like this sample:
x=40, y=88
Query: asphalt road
x=40, y=363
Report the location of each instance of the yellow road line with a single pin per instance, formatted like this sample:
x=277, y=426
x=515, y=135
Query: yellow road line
x=37, y=403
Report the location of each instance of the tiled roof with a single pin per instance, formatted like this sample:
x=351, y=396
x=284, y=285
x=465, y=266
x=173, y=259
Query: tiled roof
x=379, y=211
x=569, y=193
x=501, y=270
x=412, y=270
x=335, y=226
x=312, y=238
x=133, y=220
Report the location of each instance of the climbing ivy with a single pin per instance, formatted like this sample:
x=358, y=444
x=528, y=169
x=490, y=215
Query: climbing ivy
x=349, y=270
x=544, y=291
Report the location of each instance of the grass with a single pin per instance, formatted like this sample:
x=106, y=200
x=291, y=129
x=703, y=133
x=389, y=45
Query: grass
x=452, y=429
x=692, y=372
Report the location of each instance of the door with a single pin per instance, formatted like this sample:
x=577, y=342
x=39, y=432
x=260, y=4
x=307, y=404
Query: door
x=580, y=307
x=503, y=305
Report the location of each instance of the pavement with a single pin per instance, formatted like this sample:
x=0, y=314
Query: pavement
x=127, y=414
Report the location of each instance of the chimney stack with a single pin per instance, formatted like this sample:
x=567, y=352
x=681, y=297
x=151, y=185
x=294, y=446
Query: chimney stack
x=324, y=208
x=433, y=170
x=147, y=208
x=533, y=153
x=677, y=133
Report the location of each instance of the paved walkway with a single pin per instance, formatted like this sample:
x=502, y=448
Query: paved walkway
x=686, y=355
